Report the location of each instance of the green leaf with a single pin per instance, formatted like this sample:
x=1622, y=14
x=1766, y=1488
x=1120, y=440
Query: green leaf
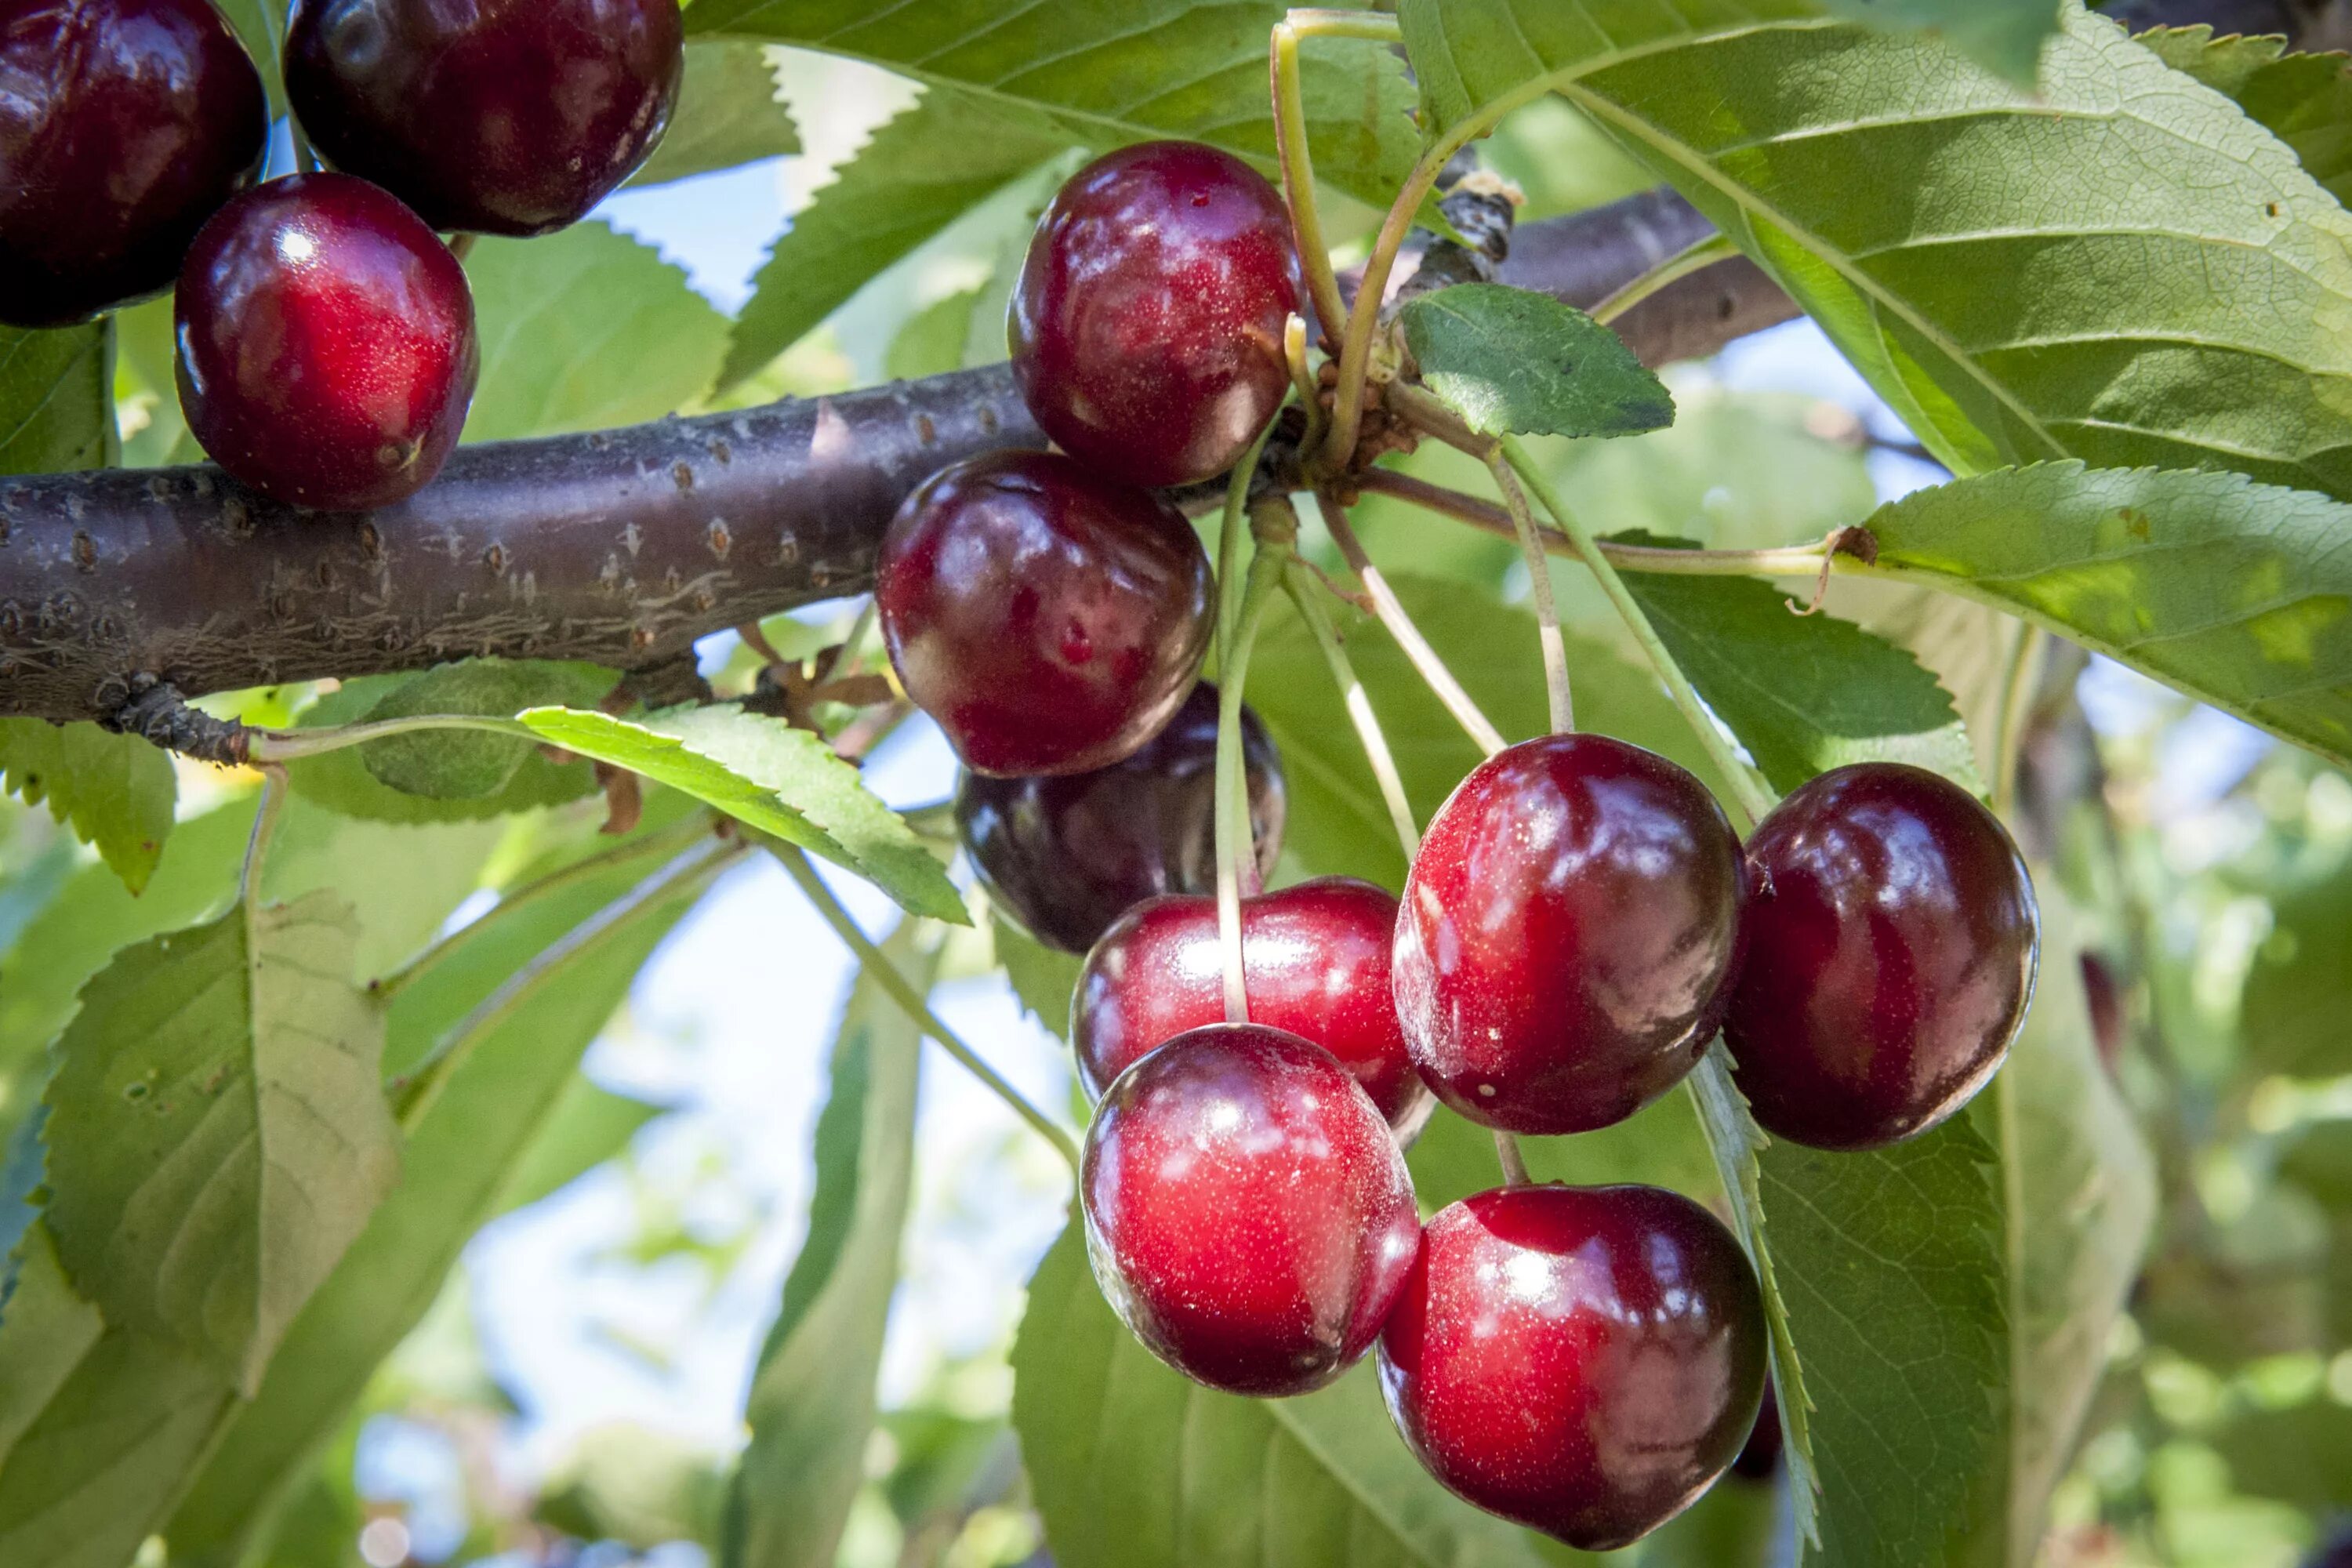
x=2080, y=1202
x=2238, y=594
x=1891, y=1265
x=728, y=113
x=778, y=779
x=2306, y=100
x=342, y=782
x=2302, y=1455
x=1135, y=1465
x=462, y=1160
x=118, y=791
x=1044, y=978
x=1804, y=694
x=2299, y=991
x=1659, y=1146
x=2119, y=267
x=1513, y=362
x=471, y=764
x=933, y=341
x=924, y=169
x=587, y=1126
x=1107, y=75
x=2005, y=36
x=584, y=329
x=1338, y=826
x=812, y=1401
x=57, y=399
x=218, y=1130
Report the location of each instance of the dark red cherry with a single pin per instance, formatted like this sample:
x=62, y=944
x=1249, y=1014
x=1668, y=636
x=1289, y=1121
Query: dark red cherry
x=501, y=116
x=124, y=125
x=1567, y=930
x=1315, y=959
x=326, y=343
x=1248, y=1214
x=1891, y=951
x=1066, y=856
x=1760, y=1458
x=1049, y=619
x=1147, y=326
x=1585, y=1360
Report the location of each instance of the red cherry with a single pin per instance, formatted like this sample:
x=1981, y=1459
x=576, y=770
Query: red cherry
x=1315, y=961
x=1567, y=932
x=501, y=116
x=124, y=125
x=1147, y=327
x=1050, y=620
x=326, y=343
x=1891, y=953
x=1248, y=1215
x=1065, y=857
x=1584, y=1361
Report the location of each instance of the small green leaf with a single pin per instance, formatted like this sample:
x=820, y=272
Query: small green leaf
x=218, y=1133
x=584, y=329
x=2236, y=593
x=923, y=170
x=1513, y=362
x=728, y=113
x=471, y=764
x=118, y=791
x=778, y=779
x=2306, y=100
x=587, y=1126
x=57, y=399
x=1803, y=693
x=342, y=781
x=1135, y=1465
x=811, y=1401
x=2299, y=991
x=1044, y=978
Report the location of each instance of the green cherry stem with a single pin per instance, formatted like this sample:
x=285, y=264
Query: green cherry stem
x=916, y=1006
x=1754, y=798
x=1555, y=648
x=263, y=746
x=1235, y=843
x=1305, y=593
x=1693, y=257
x=256, y=846
x=1391, y=613
x=1513, y=1159
x=1231, y=529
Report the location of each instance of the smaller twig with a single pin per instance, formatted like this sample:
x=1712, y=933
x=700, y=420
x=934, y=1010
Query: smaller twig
x=1391, y=613
x=870, y=730
x=1513, y=1159
x=916, y=1006
x=157, y=713
x=1333, y=586
x=844, y=658
x=1357, y=703
x=292, y=745
x=1693, y=257
x=1555, y=649
x=756, y=638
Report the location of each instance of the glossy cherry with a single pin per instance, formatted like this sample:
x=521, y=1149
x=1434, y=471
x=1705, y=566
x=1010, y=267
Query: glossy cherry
x=327, y=352
x=1314, y=960
x=1066, y=856
x=124, y=125
x=1567, y=933
x=1050, y=620
x=1585, y=1360
x=1248, y=1214
x=501, y=116
x=1147, y=325
x=1891, y=949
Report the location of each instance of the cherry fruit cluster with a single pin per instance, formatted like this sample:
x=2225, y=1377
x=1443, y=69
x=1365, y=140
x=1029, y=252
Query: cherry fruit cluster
x=327, y=352
x=1579, y=923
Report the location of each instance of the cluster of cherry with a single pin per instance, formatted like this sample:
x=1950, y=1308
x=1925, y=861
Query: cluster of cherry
x=1579, y=923
x=327, y=352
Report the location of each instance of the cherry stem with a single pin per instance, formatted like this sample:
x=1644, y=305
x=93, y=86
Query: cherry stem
x=878, y=968
x=1236, y=844
x=292, y=745
x=306, y=161
x=1753, y=796
x=1230, y=529
x=1695, y=257
x=256, y=846
x=1300, y=583
x=1363, y=320
x=461, y=245
x=2025, y=665
x=1555, y=649
x=1302, y=380
x=687, y=873
x=1391, y=613
x=1297, y=164
x=1513, y=1159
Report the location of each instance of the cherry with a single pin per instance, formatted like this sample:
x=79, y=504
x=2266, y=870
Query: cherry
x=1891, y=953
x=1248, y=1214
x=1066, y=856
x=1147, y=326
x=124, y=125
x=1567, y=932
x=1315, y=959
x=1050, y=620
x=326, y=343
x=501, y=116
x=1584, y=1361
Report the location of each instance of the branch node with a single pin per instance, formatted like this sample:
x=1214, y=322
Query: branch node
x=155, y=711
